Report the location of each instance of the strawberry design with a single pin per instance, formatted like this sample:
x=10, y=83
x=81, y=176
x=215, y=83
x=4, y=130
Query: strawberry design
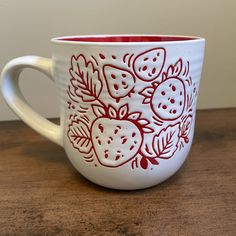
x=168, y=99
x=112, y=137
x=115, y=146
x=120, y=82
x=117, y=136
x=148, y=65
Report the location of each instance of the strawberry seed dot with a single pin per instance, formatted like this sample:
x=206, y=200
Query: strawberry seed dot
x=172, y=100
x=164, y=107
x=100, y=127
x=102, y=56
x=131, y=148
x=163, y=93
x=116, y=87
x=113, y=76
x=117, y=157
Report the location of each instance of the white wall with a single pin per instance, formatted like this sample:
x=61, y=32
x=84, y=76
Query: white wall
x=27, y=25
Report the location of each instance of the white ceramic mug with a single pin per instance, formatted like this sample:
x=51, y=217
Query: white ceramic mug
x=127, y=104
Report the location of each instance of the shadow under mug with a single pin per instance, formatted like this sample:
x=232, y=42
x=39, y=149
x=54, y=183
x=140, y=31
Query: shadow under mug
x=127, y=104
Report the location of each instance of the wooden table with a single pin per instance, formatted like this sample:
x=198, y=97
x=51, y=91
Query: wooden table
x=42, y=194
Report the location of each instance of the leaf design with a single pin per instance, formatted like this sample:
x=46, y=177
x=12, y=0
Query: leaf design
x=147, y=92
x=79, y=136
x=134, y=116
x=165, y=143
x=148, y=130
x=146, y=100
x=85, y=81
x=143, y=122
x=185, y=126
x=98, y=110
x=175, y=70
x=123, y=111
x=178, y=67
x=112, y=112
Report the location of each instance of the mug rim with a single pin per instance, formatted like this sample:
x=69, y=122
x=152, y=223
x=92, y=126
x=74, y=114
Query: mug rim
x=128, y=39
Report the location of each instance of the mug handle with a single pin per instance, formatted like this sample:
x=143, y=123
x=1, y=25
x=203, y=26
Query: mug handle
x=13, y=96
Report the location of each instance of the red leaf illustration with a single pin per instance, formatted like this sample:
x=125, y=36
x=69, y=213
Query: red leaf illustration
x=185, y=126
x=79, y=136
x=148, y=130
x=123, y=111
x=85, y=79
x=144, y=163
x=143, y=122
x=98, y=110
x=112, y=112
x=134, y=115
x=146, y=100
x=175, y=70
x=165, y=143
x=147, y=92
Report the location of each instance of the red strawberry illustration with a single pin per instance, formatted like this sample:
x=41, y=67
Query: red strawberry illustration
x=168, y=99
x=116, y=135
x=115, y=146
x=148, y=65
x=120, y=82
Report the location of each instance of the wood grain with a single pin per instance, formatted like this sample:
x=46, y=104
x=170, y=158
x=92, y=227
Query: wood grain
x=42, y=194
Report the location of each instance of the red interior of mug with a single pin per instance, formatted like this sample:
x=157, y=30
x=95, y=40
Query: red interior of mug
x=141, y=38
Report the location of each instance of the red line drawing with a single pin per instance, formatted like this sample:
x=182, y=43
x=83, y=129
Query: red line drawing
x=124, y=57
x=120, y=82
x=129, y=61
x=95, y=60
x=78, y=134
x=148, y=65
x=116, y=135
x=85, y=81
x=113, y=145
x=165, y=143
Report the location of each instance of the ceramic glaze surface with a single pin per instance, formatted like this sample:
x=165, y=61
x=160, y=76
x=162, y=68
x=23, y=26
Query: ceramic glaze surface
x=127, y=110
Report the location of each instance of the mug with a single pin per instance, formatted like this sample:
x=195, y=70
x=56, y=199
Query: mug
x=127, y=104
